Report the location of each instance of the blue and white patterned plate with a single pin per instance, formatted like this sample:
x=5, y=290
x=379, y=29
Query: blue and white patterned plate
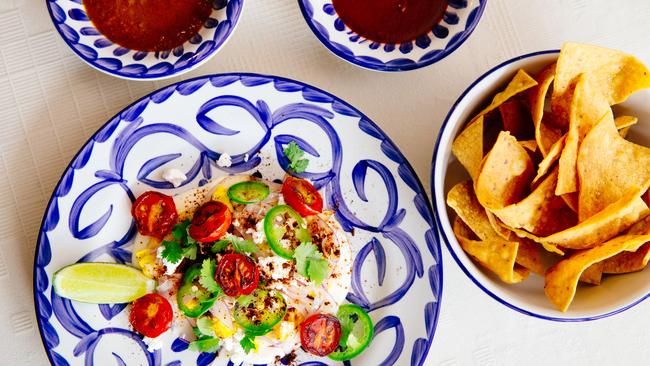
x=78, y=32
x=458, y=22
x=379, y=200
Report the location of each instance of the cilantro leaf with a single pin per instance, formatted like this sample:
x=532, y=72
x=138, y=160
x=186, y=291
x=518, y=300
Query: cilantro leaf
x=206, y=277
x=197, y=332
x=294, y=154
x=180, y=229
x=220, y=245
x=205, y=326
x=205, y=344
x=310, y=262
x=239, y=245
x=190, y=252
x=172, y=252
x=248, y=343
x=318, y=270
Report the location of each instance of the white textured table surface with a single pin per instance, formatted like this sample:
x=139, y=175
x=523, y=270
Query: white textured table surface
x=51, y=102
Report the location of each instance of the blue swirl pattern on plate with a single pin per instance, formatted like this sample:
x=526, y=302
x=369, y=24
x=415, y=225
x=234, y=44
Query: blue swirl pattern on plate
x=72, y=23
x=89, y=207
x=458, y=22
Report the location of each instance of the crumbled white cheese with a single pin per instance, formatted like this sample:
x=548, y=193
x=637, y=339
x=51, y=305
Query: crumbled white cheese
x=236, y=223
x=245, y=157
x=224, y=160
x=174, y=176
x=285, y=243
x=170, y=268
x=275, y=267
x=258, y=233
x=153, y=343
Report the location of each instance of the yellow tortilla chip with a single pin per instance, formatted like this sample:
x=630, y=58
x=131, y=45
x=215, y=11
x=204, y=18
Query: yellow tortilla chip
x=627, y=262
x=497, y=255
x=529, y=256
x=516, y=119
x=551, y=248
x=587, y=108
x=505, y=174
x=468, y=146
x=461, y=198
x=571, y=200
x=593, y=275
x=622, y=122
x=542, y=213
x=500, y=229
x=553, y=154
x=616, y=74
x=530, y=145
x=608, y=166
x=606, y=224
x=545, y=135
x=562, y=279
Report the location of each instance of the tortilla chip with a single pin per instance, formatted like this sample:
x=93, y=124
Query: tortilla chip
x=606, y=224
x=505, y=174
x=529, y=256
x=593, y=275
x=516, y=119
x=622, y=122
x=497, y=255
x=616, y=74
x=497, y=226
x=530, y=145
x=562, y=279
x=541, y=213
x=551, y=248
x=461, y=198
x=545, y=135
x=627, y=262
x=608, y=166
x=642, y=227
x=571, y=200
x=468, y=146
x=587, y=107
x=553, y=154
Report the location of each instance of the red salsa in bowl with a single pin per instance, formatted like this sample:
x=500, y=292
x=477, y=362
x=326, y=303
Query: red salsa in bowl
x=390, y=21
x=148, y=25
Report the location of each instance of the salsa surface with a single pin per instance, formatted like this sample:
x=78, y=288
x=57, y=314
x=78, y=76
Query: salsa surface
x=390, y=21
x=148, y=25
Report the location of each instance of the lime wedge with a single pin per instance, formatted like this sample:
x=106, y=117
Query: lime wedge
x=101, y=283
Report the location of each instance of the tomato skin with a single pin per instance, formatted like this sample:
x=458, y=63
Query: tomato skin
x=210, y=222
x=302, y=196
x=155, y=214
x=237, y=274
x=151, y=315
x=320, y=334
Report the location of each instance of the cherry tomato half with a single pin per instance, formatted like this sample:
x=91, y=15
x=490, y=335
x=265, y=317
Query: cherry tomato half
x=154, y=213
x=237, y=274
x=320, y=334
x=302, y=196
x=210, y=222
x=151, y=315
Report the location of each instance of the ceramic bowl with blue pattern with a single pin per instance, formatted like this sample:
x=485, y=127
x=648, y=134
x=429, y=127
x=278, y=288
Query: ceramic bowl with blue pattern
x=457, y=24
x=362, y=175
x=78, y=32
x=615, y=294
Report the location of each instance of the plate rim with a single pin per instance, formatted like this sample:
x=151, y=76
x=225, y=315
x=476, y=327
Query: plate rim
x=430, y=220
x=463, y=36
x=166, y=75
x=445, y=236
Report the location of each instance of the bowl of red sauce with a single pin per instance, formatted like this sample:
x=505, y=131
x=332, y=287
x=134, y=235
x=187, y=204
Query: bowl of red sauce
x=145, y=39
x=392, y=35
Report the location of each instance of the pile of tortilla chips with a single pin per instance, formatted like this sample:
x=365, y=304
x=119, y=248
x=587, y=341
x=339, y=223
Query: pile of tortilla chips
x=555, y=187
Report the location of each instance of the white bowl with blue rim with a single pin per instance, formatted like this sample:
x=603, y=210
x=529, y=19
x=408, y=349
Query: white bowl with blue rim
x=397, y=268
x=615, y=294
x=79, y=33
x=456, y=25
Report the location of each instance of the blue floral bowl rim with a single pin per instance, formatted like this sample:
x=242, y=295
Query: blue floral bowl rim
x=189, y=67
x=386, y=68
x=445, y=238
x=429, y=207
